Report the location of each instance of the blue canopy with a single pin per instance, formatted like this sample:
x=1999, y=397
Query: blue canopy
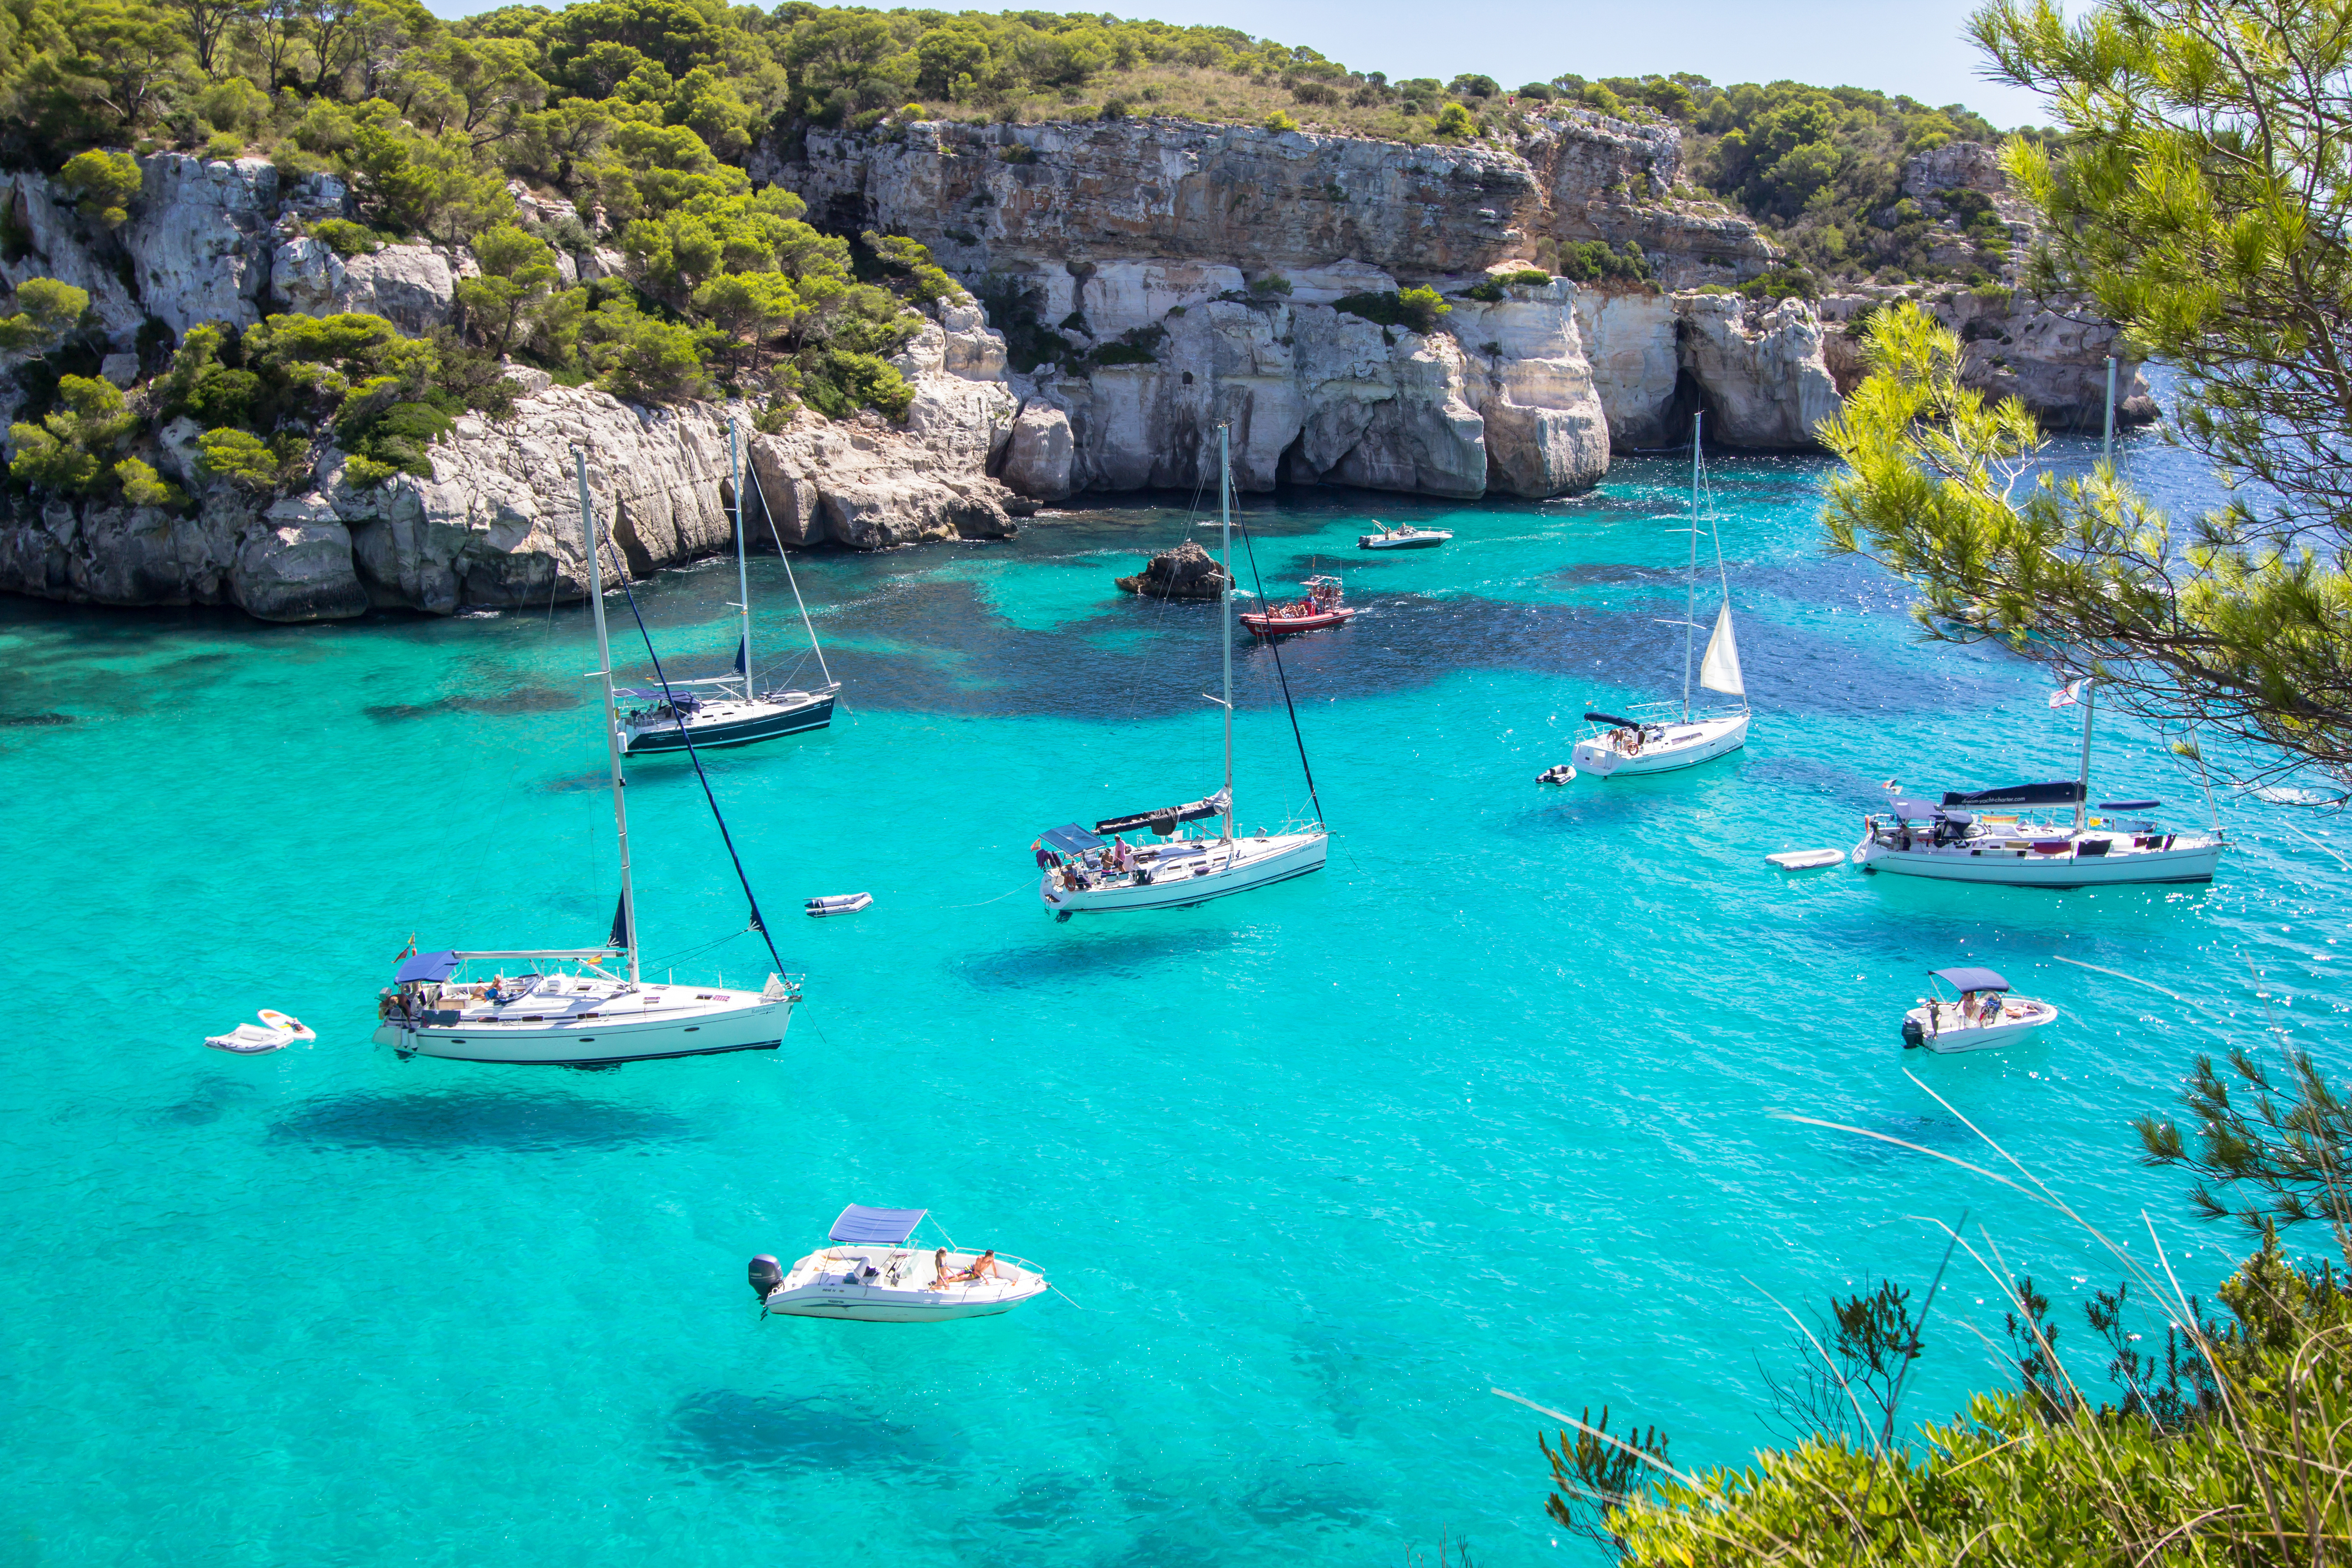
x=427, y=966
x=1971, y=979
x=877, y=1228
x=1069, y=839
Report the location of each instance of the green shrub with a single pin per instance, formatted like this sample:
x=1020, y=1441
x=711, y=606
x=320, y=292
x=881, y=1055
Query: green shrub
x=1591, y=261
x=143, y=485
x=1416, y=310
x=234, y=104
x=837, y=382
x=1280, y=120
x=1455, y=121
x=345, y=239
x=224, y=145
x=47, y=311
x=1528, y=277
x=240, y=457
x=103, y=183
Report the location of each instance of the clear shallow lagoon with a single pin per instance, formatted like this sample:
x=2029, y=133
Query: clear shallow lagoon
x=1492, y=1101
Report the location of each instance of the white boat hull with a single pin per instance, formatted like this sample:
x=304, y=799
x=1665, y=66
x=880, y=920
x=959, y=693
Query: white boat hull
x=649, y=1025
x=1181, y=879
x=833, y=1284
x=2194, y=861
x=2020, y=1018
x=1684, y=746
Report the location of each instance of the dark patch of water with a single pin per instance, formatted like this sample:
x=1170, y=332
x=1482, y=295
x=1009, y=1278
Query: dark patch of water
x=33, y=721
x=207, y=1100
x=729, y=1433
x=479, y=1121
x=1079, y=955
x=526, y=699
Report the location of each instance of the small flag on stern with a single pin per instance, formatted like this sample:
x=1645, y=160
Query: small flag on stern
x=2071, y=693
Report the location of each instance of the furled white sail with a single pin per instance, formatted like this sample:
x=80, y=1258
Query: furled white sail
x=1719, y=671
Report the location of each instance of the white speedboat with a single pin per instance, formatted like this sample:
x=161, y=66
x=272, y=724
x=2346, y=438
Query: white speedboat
x=870, y=1275
x=562, y=1007
x=1619, y=747
x=1983, y=1015
x=1403, y=536
x=1099, y=872
x=736, y=713
x=2005, y=837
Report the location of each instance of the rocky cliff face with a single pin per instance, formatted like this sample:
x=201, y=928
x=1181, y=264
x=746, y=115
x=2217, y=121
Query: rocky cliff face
x=1174, y=277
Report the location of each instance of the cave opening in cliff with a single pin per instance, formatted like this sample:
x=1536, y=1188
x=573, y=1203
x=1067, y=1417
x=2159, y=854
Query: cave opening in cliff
x=1689, y=397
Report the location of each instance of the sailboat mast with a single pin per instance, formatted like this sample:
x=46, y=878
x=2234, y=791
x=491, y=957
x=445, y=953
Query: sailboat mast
x=742, y=572
x=611, y=716
x=1690, y=607
x=2083, y=805
x=1225, y=521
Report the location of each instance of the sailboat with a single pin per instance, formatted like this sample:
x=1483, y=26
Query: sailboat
x=1619, y=745
x=563, y=1006
x=739, y=714
x=1100, y=872
x=2001, y=835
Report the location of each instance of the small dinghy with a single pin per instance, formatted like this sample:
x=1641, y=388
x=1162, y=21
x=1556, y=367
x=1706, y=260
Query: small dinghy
x=273, y=1033
x=1559, y=773
x=839, y=904
x=1403, y=536
x=870, y=1275
x=1984, y=1016
x=1806, y=859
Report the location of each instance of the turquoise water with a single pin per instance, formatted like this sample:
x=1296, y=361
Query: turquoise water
x=1495, y=1101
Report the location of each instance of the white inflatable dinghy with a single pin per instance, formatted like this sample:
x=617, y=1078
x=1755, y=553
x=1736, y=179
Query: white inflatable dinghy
x=1806, y=859
x=839, y=904
x=1559, y=774
x=275, y=1031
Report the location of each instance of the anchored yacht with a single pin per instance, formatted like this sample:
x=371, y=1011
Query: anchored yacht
x=1100, y=872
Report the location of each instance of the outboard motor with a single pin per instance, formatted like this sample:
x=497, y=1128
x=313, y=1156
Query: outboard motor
x=766, y=1275
x=1914, y=1037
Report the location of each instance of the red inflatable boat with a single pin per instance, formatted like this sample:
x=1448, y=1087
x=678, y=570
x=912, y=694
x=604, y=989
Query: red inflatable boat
x=1320, y=608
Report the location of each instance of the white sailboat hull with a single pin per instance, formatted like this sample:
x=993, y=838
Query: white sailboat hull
x=679, y=1022
x=1180, y=879
x=2190, y=859
x=1684, y=746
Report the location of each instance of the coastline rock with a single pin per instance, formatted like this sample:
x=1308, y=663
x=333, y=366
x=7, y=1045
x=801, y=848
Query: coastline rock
x=1187, y=571
x=198, y=238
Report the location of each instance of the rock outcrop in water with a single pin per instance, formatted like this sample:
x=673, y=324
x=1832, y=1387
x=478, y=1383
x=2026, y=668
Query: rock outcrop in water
x=1187, y=571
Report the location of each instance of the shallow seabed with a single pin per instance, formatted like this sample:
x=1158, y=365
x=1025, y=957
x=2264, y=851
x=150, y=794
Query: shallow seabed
x=1495, y=1101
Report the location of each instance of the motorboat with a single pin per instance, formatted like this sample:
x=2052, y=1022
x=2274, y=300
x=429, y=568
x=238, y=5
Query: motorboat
x=1982, y=1015
x=275, y=1032
x=565, y=1007
x=1558, y=773
x=1655, y=741
x=735, y=712
x=1321, y=607
x=868, y=1274
x=2007, y=836
x=1403, y=536
x=1099, y=871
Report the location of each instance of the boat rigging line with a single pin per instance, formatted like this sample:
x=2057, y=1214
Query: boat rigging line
x=1275, y=647
x=775, y=534
x=757, y=924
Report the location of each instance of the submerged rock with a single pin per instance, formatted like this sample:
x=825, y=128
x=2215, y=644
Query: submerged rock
x=1187, y=571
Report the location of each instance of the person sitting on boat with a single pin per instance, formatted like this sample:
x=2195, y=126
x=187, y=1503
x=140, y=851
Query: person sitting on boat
x=982, y=1267
x=940, y=1280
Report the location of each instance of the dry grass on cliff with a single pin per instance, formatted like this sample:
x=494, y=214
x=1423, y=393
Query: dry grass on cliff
x=1218, y=97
